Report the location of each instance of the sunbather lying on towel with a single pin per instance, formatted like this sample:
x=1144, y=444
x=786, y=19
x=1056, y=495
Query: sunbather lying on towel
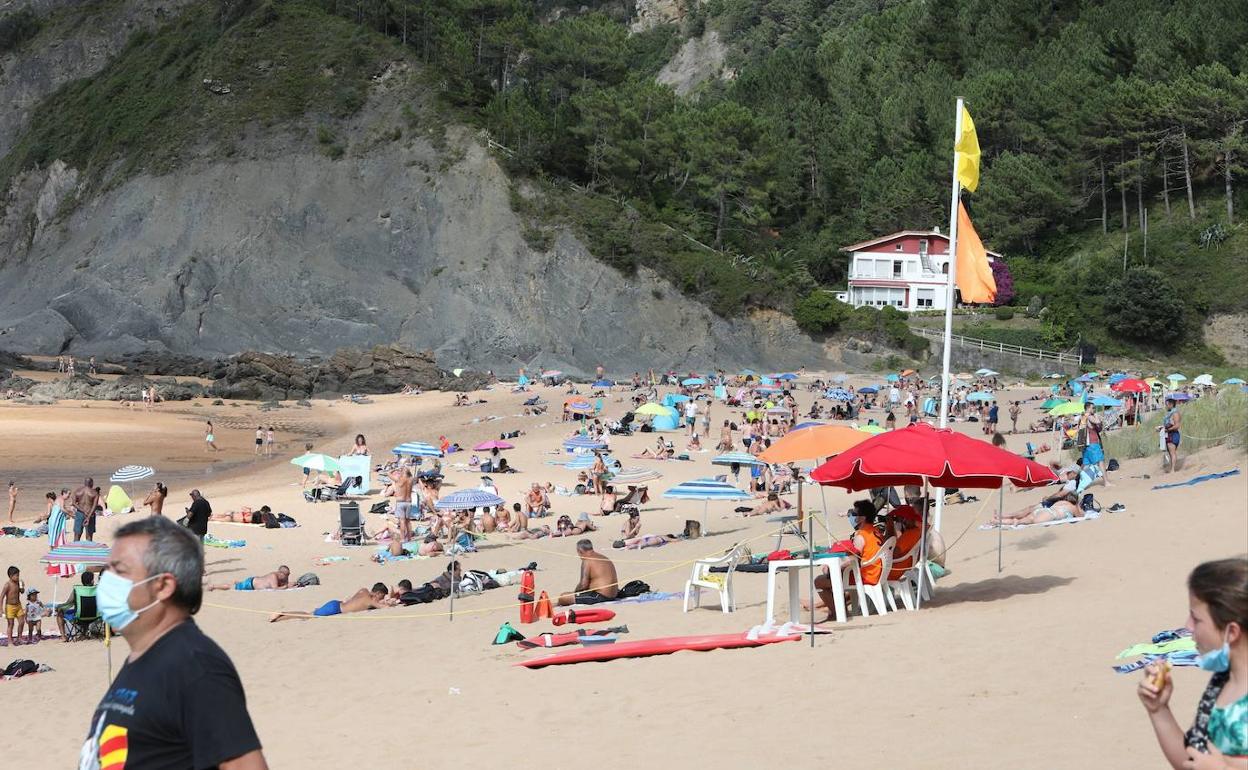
x=272, y=581
x=1059, y=510
x=773, y=505
x=245, y=516
x=364, y=599
x=645, y=541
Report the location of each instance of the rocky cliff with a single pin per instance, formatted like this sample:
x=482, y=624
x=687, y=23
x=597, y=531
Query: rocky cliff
x=409, y=237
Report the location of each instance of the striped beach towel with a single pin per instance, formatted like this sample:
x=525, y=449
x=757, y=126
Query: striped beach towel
x=56, y=537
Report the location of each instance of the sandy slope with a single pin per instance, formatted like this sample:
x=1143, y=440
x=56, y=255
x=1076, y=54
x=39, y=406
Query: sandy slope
x=1001, y=670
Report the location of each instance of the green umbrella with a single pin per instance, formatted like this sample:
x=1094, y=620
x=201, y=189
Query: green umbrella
x=1052, y=402
x=317, y=462
x=1067, y=407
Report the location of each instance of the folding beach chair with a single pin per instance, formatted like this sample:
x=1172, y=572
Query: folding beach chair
x=349, y=523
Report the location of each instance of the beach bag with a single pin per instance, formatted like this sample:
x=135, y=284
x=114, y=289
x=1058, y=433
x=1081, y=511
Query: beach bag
x=1081, y=437
x=633, y=588
x=1112, y=465
x=20, y=667
x=382, y=507
x=270, y=520
x=286, y=521
x=308, y=579
x=693, y=529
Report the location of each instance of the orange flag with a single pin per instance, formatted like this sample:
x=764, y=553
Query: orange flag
x=975, y=279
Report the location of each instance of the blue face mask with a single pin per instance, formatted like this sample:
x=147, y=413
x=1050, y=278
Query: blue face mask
x=112, y=598
x=1218, y=660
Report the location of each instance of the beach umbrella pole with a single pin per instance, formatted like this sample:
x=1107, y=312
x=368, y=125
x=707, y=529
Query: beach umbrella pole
x=810, y=551
x=918, y=594
x=1000, y=510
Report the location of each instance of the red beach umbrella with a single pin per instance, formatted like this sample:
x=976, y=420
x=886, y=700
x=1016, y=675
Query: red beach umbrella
x=941, y=457
x=1131, y=386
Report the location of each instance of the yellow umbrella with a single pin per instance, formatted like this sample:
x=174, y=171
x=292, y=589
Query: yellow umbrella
x=651, y=408
x=1070, y=407
x=874, y=430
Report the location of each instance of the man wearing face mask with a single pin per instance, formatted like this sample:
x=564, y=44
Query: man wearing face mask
x=177, y=701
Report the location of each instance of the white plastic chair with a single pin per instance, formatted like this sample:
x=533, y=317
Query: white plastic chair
x=906, y=585
x=702, y=577
x=884, y=557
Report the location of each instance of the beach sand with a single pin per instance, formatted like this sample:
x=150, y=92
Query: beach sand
x=1008, y=669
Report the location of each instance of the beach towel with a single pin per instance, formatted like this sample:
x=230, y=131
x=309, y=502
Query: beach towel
x=1198, y=479
x=1175, y=646
x=47, y=637
x=1087, y=516
x=327, y=560
x=653, y=596
x=212, y=541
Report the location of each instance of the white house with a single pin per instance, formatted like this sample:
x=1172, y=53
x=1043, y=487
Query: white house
x=908, y=270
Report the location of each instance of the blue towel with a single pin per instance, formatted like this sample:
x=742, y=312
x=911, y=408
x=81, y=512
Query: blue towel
x=1199, y=479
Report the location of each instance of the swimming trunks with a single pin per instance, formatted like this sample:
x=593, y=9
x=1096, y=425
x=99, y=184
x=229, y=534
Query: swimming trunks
x=591, y=597
x=14, y=611
x=403, y=510
x=331, y=607
x=246, y=585
x=1173, y=437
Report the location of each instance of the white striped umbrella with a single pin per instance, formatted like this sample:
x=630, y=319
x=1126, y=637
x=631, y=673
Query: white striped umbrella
x=131, y=473
x=635, y=475
x=417, y=449
x=317, y=462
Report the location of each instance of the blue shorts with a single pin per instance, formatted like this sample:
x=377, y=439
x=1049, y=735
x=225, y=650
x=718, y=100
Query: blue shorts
x=1093, y=454
x=245, y=585
x=331, y=607
x=1173, y=437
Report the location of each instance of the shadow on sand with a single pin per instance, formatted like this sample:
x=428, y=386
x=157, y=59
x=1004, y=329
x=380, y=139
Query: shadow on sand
x=995, y=589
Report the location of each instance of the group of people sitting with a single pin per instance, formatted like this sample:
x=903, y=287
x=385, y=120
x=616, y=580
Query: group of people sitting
x=875, y=522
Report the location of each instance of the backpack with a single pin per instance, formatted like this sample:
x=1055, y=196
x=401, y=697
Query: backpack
x=633, y=588
x=382, y=507
x=308, y=579
x=286, y=521
x=20, y=667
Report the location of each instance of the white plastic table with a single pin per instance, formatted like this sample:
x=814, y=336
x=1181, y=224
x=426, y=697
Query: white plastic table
x=793, y=567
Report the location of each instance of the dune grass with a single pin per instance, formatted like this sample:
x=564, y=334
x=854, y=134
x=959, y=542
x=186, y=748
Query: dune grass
x=1209, y=421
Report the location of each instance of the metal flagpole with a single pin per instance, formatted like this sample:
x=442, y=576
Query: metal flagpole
x=949, y=296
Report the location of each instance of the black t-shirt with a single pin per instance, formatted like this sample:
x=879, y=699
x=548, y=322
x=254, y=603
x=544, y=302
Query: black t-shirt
x=180, y=705
x=198, y=521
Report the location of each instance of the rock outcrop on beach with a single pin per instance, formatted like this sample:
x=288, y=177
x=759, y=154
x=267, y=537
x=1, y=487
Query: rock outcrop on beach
x=382, y=369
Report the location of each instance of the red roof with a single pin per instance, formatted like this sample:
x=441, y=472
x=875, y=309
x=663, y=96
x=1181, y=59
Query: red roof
x=864, y=245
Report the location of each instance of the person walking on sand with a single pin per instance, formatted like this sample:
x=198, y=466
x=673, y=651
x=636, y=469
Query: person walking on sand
x=210, y=440
x=12, y=499
x=268, y=442
x=1171, y=425
x=259, y=439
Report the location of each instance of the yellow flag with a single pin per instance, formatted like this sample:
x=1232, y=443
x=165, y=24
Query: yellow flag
x=975, y=280
x=967, y=153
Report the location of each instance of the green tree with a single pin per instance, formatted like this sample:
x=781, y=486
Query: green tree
x=1142, y=306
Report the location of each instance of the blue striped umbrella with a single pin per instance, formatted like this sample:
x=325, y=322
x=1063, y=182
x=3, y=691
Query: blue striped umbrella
x=417, y=449
x=980, y=395
x=585, y=462
x=583, y=442
x=603, y=383
x=628, y=476
x=706, y=490
x=131, y=473
x=464, y=499
x=737, y=458
x=787, y=377
x=839, y=394
x=804, y=425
